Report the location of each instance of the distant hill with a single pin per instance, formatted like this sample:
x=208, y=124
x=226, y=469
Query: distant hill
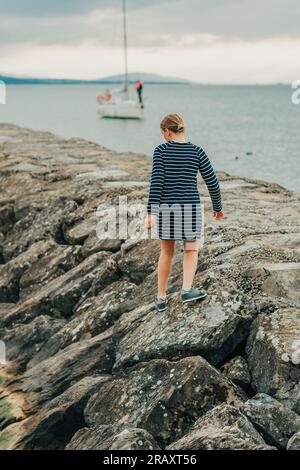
x=147, y=78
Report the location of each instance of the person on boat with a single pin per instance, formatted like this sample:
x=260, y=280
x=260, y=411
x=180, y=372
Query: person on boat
x=106, y=97
x=174, y=207
x=139, y=89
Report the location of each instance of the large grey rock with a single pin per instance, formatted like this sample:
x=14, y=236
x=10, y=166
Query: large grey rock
x=245, y=248
x=107, y=273
x=211, y=328
x=92, y=245
x=222, y=428
x=283, y=280
x=108, y=173
x=137, y=264
x=61, y=294
x=274, y=355
x=12, y=271
x=10, y=407
x=276, y=422
x=54, y=425
x=237, y=370
x=7, y=217
x=112, y=437
x=93, y=316
x=54, y=263
x=163, y=397
x=294, y=442
x=51, y=377
x=24, y=341
x=36, y=226
x=5, y=308
x=78, y=233
x=286, y=241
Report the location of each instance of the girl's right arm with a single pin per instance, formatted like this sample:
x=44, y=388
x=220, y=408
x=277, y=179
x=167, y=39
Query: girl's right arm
x=157, y=182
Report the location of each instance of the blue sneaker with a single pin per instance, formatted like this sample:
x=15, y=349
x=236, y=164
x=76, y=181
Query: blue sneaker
x=160, y=304
x=192, y=294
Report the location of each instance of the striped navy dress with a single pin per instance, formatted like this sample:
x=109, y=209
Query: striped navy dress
x=173, y=197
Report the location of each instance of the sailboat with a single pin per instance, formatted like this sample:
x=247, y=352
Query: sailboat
x=116, y=103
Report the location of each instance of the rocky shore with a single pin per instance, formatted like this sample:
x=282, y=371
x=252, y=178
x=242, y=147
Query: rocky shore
x=89, y=363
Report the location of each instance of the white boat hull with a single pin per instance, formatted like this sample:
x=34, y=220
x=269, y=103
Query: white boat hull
x=121, y=110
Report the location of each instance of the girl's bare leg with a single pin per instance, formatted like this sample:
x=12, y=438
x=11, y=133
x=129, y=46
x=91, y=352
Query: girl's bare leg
x=190, y=263
x=164, y=267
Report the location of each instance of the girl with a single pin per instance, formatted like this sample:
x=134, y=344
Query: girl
x=174, y=203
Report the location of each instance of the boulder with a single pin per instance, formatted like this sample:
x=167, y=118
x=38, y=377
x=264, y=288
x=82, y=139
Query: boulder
x=92, y=245
x=294, y=442
x=274, y=355
x=10, y=408
x=93, y=316
x=212, y=328
x=59, y=260
x=245, y=248
x=222, y=428
x=106, y=274
x=136, y=264
x=275, y=422
x=24, y=341
x=283, y=280
x=61, y=294
x=78, y=233
x=6, y=307
x=12, y=271
x=52, y=377
x=237, y=370
x=7, y=217
x=36, y=226
x=112, y=437
x=162, y=397
x=54, y=425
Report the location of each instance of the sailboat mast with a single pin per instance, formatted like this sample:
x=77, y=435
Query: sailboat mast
x=125, y=47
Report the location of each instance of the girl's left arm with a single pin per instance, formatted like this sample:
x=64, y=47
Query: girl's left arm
x=211, y=180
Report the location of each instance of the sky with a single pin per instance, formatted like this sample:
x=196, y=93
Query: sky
x=207, y=41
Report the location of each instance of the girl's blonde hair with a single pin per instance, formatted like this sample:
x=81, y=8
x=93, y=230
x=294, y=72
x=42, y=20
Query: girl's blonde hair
x=172, y=122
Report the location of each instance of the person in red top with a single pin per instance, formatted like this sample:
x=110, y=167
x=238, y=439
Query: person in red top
x=139, y=89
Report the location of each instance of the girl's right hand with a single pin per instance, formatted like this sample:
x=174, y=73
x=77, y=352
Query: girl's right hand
x=149, y=223
x=218, y=215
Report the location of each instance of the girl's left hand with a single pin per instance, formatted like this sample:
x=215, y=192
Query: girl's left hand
x=218, y=215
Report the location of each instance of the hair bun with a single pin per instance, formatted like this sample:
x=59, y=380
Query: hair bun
x=172, y=122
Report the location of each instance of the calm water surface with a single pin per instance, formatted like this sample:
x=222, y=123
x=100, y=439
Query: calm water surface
x=227, y=121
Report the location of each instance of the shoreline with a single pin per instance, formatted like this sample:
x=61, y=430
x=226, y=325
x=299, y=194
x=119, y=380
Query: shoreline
x=8, y=125
x=84, y=345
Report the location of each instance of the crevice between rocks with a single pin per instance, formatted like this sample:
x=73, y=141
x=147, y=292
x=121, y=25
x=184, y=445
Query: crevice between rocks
x=59, y=236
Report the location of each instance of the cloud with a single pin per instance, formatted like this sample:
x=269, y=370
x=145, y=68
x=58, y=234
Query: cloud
x=38, y=8
x=102, y=25
x=266, y=61
x=83, y=39
x=74, y=20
